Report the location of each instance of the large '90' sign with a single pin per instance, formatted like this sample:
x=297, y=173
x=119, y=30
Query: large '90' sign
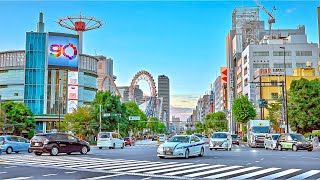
x=58, y=50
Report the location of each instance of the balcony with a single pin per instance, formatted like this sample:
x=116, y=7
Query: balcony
x=239, y=70
x=239, y=80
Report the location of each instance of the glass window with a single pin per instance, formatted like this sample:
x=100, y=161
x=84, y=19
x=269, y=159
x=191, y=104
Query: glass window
x=275, y=137
x=72, y=138
x=181, y=139
x=261, y=65
x=274, y=95
x=282, y=138
x=303, y=53
x=104, y=135
x=219, y=135
x=62, y=137
x=261, y=53
x=13, y=139
x=280, y=65
x=20, y=139
x=274, y=82
x=280, y=53
x=288, y=138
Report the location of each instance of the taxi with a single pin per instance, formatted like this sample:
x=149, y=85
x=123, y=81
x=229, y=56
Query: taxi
x=182, y=146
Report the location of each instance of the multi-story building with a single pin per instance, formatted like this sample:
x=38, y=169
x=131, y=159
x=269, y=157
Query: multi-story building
x=205, y=106
x=164, y=92
x=199, y=110
x=124, y=92
x=176, y=123
x=105, y=74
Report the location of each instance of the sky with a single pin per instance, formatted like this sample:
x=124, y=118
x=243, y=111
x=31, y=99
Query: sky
x=182, y=40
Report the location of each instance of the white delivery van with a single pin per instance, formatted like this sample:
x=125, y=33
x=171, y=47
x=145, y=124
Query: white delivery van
x=110, y=140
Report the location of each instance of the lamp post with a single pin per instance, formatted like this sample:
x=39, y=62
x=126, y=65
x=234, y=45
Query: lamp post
x=59, y=107
x=285, y=85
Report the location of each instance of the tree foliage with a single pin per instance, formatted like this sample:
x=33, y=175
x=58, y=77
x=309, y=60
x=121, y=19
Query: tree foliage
x=243, y=110
x=275, y=114
x=216, y=121
x=304, y=105
x=80, y=122
x=132, y=109
x=19, y=115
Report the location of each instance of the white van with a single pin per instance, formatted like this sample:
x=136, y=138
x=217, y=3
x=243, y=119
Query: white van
x=110, y=140
x=162, y=137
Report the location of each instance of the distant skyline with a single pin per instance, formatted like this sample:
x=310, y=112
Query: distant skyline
x=182, y=40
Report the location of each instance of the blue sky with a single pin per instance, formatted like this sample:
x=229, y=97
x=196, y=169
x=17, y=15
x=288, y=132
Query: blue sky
x=183, y=40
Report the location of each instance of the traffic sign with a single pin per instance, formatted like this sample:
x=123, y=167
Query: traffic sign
x=134, y=118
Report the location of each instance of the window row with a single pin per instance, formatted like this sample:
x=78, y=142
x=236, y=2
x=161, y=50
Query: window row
x=13, y=59
x=88, y=63
x=281, y=53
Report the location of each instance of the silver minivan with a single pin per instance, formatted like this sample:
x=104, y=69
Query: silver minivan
x=110, y=140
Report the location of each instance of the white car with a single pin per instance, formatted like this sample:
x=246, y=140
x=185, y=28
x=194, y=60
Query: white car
x=182, y=146
x=220, y=140
x=162, y=137
x=110, y=140
x=270, y=142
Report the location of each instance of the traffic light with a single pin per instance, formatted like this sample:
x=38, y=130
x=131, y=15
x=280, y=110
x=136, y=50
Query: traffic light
x=263, y=103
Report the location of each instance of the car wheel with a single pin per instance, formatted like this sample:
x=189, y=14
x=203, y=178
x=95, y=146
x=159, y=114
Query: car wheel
x=122, y=146
x=54, y=151
x=17, y=152
x=9, y=150
x=215, y=149
x=310, y=150
x=210, y=149
x=238, y=143
x=114, y=146
x=84, y=150
x=100, y=147
x=201, y=152
x=29, y=150
x=161, y=157
x=294, y=148
x=265, y=146
x=110, y=147
x=38, y=153
x=279, y=147
x=186, y=154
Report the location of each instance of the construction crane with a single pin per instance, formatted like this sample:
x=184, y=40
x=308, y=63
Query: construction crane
x=271, y=18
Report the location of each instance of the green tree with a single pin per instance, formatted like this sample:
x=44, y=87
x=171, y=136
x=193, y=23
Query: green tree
x=275, y=114
x=19, y=115
x=162, y=128
x=80, y=122
x=304, y=105
x=132, y=109
x=217, y=121
x=110, y=104
x=243, y=110
x=153, y=124
x=200, y=127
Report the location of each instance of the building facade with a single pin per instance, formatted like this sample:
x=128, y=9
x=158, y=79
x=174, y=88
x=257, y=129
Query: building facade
x=164, y=92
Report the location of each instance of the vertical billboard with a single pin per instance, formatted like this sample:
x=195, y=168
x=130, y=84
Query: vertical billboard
x=72, y=90
x=224, y=75
x=63, y=50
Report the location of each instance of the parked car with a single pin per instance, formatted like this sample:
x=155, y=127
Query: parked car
x=235, y=139
x=129, y=142
x=220, y=140
x=16, y=144
x=182, y=146
x=55, y=143
x=154, y=138
x=162, y=137
x=270, y=142
x=294, y=142
x=110, y=140
x=199, y=135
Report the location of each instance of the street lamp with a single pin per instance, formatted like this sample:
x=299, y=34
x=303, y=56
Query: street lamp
x=59, y=107
x=285, y=85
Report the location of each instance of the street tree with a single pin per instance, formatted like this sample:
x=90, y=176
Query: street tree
x=162, y=128
x=153, y=124
x=136, y=126
x=303, y=105
x=275, y=114
x=243, y=110
x=20, y=116
x=200, y=127
x=110, y=104
x=80, y=122
x=216, y=121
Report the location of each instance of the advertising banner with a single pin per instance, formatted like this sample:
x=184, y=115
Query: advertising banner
x=72, y=105
x=73, y=78
x=63, y=51
x=73, y=92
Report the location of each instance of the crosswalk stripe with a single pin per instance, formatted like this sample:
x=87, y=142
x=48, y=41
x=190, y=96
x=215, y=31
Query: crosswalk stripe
x=124, y=165
x=103, y=164
x=20, y=178
x=256, y=173
x=193, y=170
x=305, y=175
x=161, y=167
x=280, y=174
x=175, y=169
x=212, y=171
x=232, y=172
x=146, y=166
x=102, y=177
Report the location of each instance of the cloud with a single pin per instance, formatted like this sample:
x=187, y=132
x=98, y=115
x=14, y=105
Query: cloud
x=290, y=10
x=183, y=113
x=184, y=101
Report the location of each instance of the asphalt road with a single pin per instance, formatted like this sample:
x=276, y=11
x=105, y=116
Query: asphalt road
x=141, y=162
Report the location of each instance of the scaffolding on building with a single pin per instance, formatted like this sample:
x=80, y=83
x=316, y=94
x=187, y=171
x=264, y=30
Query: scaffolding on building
x=245, y=21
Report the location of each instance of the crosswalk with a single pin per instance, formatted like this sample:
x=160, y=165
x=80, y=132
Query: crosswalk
x=159, y=169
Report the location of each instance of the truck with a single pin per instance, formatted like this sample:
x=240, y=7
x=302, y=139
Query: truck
x=257, y=131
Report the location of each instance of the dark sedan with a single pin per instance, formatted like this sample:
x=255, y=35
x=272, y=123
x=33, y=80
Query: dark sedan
x=294, y=142
x=235, y=139
x=55, y=143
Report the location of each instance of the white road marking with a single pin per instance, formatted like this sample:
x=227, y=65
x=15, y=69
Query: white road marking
x=20, y=178
x=243, y=145
x=193, y=170
x=46, y=175
x=212, y=171
x=70, y=172
x=218, y=176
x=280, y=174
x=9, y=167
x=305, y=175
x=175, y=169
x=161, y=167
x=3, y=172
x=250, y=175
x=257, y=161
x=102, y=177
x=144, y=165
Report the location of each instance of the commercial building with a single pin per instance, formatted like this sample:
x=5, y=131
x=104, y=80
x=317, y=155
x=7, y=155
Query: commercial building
x=106, y=77
x=164, y=92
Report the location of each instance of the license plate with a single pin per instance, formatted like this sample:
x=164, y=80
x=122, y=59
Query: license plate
x=36, y=144
x=168, y=153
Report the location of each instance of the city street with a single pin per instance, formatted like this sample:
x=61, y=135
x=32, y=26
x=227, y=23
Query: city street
x=141, y=162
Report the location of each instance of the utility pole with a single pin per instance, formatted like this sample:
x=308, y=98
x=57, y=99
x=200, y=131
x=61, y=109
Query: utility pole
x=285, y=83
x=283, y=103
x=59, y=107
x=100, y=118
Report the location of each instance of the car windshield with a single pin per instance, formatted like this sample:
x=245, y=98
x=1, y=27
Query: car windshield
x=275, y=137
x=219, y=135
x=198, y=135
x=260, y=129
x=104, y=135
x=161, y=135
x=234, y=136
x=126, y=139
x=181, y=139
x=298, y=137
